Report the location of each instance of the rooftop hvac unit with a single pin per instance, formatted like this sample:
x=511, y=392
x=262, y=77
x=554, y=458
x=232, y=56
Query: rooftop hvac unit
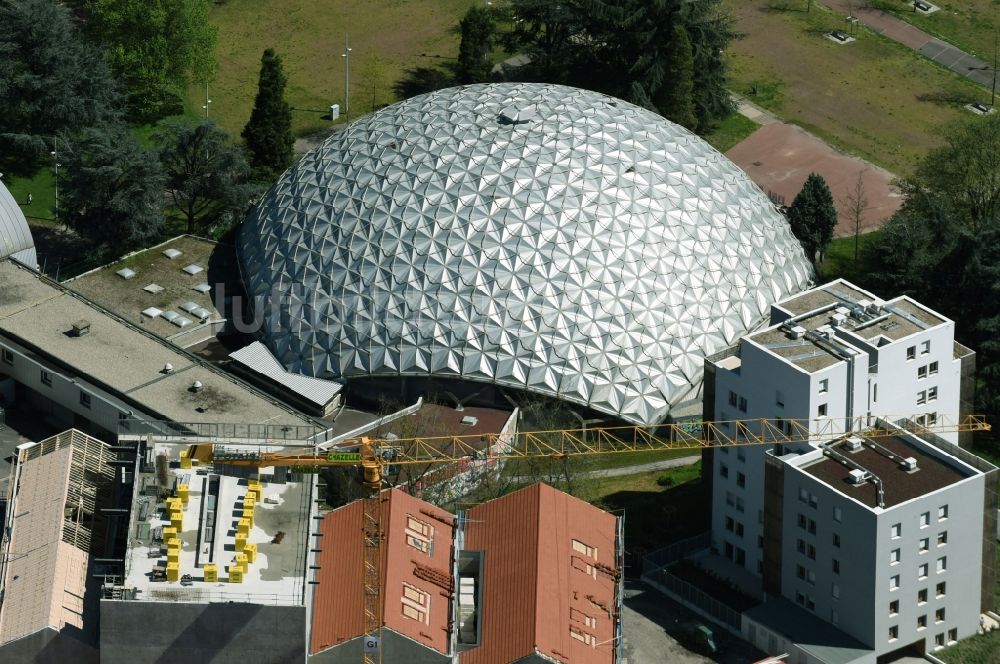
x=909, y=464
x=824, y=331
x=837, y=319
x=856, y=476
x=842, y=310
x=797, y=332
x=857, y=312
x=873, y=309
x=470, y=421
x=864, y=304
x=853, y=444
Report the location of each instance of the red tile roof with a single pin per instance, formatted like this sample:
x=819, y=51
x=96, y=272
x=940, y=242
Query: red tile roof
x=537, y=588
x=338, y=599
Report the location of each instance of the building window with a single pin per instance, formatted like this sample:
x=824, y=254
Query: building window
x=932, y=394
x=939, y=640
x=897, y=530
x=799, y=597
x=838, y=514
x=46, y=378
x=836, y=540
x=911, y=353
x=733, y=398
x=894, y=582
x=741, y=479
x=84, y=399
x=925, y=519
x=821, y=411
x=419, y=535
x=939, y=615
x=942, y=513
x=939, y=590
x=922, y=571
x=953, y=635
x=582, y=637
x=812, y=552
x=743, y=404
x=893, y=632
x=922, y=622
x=730, y=524
x=723, y=470
x=811, y=577
x=922, y=372
x=893, y=607
x=779, y=399
x=760, y=541
x=933, y=367
x=922, y=596
x=834, y=617
x=800, y=544
x=810, y=603
x=739, y=529
x=800, y=572
x=730, y=499
x=741, y=455
x=835, y=591
x=802, y=521
x=921, y=397
x=123, y=422
x=924, y=545
x=739, y=504
x=836, y=566
x=931, y=419
x=942, y=564
x=925, y=347
x=8, y=357
x=813, y=501
x=942, y=538
x=584, y=549
x=416, y=604
x=824, y=386
x=812, y=527
x=894, y=557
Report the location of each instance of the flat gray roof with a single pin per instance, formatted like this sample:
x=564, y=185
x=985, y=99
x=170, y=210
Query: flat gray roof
x=808, y=632
x=124, y=359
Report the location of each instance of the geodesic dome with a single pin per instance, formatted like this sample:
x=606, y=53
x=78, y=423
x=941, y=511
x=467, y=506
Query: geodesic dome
x=532, y=236
x=15, y=236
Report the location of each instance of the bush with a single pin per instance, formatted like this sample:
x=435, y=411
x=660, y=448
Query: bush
x=665, y=480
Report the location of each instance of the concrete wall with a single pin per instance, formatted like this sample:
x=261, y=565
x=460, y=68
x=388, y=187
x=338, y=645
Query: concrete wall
x=133, y=632
x=395, y=648
x=48, y=646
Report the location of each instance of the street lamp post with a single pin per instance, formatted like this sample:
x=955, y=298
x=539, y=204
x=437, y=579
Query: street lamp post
x=347, y=78
x=55, y=159
x=996, y=43
x=207, y=101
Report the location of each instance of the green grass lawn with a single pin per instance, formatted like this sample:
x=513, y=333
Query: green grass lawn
x=980, y=649
x=730, y=131
x=969, y=24
x=840, y=262
x=42, y=189
x=386, y=37
x=873, y=98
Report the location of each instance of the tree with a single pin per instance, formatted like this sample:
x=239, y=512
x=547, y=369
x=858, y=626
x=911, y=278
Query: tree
x=207, y=176
x=112, y=189
x=51, y=81
x=675, y=98
x=855, y=204
x=156, y=47
x=268, y=134
x=813, y=217
x=474, y=63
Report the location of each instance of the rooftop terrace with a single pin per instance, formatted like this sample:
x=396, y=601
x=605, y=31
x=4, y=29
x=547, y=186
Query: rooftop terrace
x=220, y=518
x=876, y=455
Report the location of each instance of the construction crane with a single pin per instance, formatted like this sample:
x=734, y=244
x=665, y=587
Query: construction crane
x=373, y=456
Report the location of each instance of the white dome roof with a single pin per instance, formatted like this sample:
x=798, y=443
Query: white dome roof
x=15, y=236
x=534, y=236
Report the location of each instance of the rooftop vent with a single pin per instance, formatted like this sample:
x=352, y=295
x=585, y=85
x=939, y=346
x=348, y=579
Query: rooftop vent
x=824, y=331
x=81, y=327
x=797, y=332
x=470, y=421
x=853, y=444
x=909, y=464
x=856, y=476
x=196, y=386
x=167, y=368
x=837, y=319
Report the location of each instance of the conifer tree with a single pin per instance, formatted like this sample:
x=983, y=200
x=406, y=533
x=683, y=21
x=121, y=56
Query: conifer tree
x=813, y=217
x=268, y=134
x=474, y=65
x=675, y=98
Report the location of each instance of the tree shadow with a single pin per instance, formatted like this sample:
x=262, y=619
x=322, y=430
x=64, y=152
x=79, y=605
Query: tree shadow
x=61, y=252
x=421, y=80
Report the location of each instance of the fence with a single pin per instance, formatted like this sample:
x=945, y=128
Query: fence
x=660, y=558
x=693, y=598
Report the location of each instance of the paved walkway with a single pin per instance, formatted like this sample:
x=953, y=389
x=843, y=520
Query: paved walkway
x=644, y=467
x=751, y=110
x=906, y=34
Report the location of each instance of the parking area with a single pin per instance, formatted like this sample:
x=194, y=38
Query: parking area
x=652, y=625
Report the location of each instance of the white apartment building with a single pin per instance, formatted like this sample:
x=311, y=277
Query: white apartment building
x=835, y=359
x=834, y=352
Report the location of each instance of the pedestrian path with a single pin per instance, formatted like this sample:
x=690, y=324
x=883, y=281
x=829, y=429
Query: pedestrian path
x=906, y=34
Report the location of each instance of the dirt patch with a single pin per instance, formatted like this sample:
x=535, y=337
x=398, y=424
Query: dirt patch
x=779, y=158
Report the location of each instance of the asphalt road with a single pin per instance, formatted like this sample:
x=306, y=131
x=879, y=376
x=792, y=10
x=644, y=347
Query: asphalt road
x=651, y=622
